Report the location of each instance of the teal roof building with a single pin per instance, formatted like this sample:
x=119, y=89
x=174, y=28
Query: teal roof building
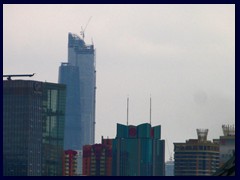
x=138, y=151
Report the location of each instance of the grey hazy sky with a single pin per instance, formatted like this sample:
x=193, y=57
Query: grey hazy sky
x=183, y=55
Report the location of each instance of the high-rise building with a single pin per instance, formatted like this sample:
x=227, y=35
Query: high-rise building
x=138, y=151
x=79, y=74
x=69, y=75
x=227, y=144
x=97, y=159
x=33, y=128
x=196, y=157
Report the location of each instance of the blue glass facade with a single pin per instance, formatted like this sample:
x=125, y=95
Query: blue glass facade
x=83, y=85
x=138, y=151
x=69, y=75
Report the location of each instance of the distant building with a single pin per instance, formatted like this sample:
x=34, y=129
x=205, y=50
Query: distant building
x=33, y=128
x=169, y=168
x=79, y=162
x=138, y=151
x=79, y=74
x=70, y=163
x=227, y=169
x=196, y=157
x=97, y=159
x=227, y=144
x=69, y=75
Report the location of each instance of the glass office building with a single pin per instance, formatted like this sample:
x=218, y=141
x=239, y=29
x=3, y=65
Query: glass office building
x=33, y=128
x=69, y=75
x=81, y=79
x=138, y=151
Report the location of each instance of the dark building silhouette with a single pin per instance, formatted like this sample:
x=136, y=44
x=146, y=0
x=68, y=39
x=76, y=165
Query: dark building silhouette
x=33, y=128
x=138, y=151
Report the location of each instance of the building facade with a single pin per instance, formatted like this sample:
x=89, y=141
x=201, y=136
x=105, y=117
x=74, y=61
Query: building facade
x=81, y=60
x=196, y=157
x=70, y=163
x=33, y=128
x=69, y=75
x=97, y=159
x=227, y=144
x=79, y=162
x=138, y=151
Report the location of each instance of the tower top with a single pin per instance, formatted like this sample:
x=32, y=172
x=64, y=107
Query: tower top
x=202, y=134
x=228, y=130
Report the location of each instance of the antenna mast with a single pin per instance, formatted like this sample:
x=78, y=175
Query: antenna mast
x=150, y=109
x=127, y=109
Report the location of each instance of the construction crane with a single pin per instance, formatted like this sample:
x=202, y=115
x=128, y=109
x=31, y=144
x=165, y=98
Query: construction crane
x=83, y=30
x=9, y=76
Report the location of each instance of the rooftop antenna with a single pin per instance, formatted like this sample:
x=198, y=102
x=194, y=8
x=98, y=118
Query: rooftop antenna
x=82, y=32
x=127, y=109
x=150, y=109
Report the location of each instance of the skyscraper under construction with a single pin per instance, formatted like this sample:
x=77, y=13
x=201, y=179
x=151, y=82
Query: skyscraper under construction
x=79, y=74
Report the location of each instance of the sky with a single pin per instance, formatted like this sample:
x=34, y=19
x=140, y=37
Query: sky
x=183, y=56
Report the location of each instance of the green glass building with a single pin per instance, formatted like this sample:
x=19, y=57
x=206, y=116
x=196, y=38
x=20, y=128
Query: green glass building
x=33, y=128
x=138, y=151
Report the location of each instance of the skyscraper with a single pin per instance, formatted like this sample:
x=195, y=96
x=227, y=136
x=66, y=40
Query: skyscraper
x=80, y=121
x=196, y=157
x=138, y=151
x=33, y=128
x=69, y=75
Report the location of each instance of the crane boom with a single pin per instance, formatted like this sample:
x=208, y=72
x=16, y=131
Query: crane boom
x=83, y=30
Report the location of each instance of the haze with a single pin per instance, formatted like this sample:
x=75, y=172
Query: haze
x=183, y=55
